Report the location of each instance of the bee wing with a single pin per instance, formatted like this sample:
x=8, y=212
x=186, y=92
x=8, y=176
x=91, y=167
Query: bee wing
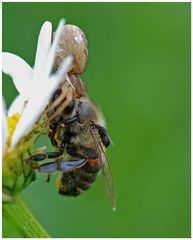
x=64, y=166
x=109, y=182
x=106, y=170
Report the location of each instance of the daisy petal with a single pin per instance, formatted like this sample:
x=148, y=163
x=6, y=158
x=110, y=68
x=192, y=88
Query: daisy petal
x=31, y=114
x=37, y=104
x=43, y=47
x=17, y=105
x=51, y=56
x=28, y=118
x=19, y=70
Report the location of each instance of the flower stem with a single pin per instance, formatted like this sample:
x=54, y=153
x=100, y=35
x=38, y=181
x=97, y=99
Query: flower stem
x=21, y=218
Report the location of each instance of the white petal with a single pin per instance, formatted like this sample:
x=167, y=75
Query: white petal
x=19, y=70
x=30, y=115
x=37, y=104
x=43, y=47
x=51, y=56
x=4, y=126
x=28, y=118
x=17, y=106
x=4, y=108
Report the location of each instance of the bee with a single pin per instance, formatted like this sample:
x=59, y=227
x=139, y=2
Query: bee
x=77, y=127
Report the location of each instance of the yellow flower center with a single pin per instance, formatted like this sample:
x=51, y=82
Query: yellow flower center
x=12, y=123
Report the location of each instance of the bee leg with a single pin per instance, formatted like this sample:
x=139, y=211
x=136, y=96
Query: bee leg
x=71, y=120
x=42, y=156
x=80, y=151
x=36, y=157
x=48, y=177
x=55, y=154
x=63, y=166
x=88, y=152
x=73, y=151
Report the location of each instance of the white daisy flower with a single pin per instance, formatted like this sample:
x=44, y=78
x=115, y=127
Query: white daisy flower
x=35, y=85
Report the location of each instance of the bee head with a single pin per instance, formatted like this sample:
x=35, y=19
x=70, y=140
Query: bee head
x=86, y=112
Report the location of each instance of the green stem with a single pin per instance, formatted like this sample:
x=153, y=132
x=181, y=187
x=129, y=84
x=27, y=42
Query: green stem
x=21, y=218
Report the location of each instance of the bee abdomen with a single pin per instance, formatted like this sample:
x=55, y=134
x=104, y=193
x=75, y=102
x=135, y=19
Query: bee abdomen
x=75, y=182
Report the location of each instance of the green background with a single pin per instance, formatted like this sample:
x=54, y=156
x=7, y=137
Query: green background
x=139, y=73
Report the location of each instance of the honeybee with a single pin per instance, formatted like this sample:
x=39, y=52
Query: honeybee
x=77, y=127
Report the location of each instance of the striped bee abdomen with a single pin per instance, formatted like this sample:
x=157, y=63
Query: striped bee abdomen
x=75, y=182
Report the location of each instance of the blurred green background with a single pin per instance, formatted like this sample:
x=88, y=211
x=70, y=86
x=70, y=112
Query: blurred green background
x=139, y=73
